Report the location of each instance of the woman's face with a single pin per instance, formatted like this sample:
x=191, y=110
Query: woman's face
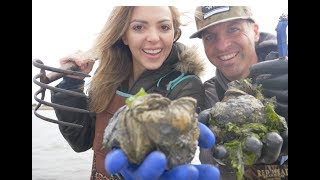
x=230, y=46
x=150, y=37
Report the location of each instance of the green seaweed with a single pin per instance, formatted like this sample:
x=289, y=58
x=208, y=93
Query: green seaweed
x=235, y=152
x=238, y=157
x=274, y=122
x=129, y=100
x=234, y=135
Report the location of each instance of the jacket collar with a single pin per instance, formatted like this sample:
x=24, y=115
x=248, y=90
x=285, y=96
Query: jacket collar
x=181, y=58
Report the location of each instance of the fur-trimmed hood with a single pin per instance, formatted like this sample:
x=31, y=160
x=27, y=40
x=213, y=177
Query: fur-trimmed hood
x=189, y=59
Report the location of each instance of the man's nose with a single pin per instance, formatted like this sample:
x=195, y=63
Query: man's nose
x=223, y=42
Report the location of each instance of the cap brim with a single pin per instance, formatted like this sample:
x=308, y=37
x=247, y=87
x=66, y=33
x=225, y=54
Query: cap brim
x=197, y=34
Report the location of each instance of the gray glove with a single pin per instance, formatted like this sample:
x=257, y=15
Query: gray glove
x=273, y=75
x=266, y=151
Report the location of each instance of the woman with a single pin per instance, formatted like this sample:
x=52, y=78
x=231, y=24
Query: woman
x=137, y=49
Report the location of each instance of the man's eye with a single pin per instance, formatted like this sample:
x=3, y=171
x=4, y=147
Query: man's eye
x=233, y=29
x=208, y=37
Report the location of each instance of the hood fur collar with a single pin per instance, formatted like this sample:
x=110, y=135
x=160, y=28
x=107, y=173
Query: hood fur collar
x=189, y=60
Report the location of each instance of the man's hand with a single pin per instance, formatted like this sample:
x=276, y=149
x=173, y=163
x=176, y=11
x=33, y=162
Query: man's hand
x=266, y=150
x=273, y=75
x=153, y=166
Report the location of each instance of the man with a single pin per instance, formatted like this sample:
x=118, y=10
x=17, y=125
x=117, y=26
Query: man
x=234, y=45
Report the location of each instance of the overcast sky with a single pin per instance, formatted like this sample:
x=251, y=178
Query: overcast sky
x=61, y=27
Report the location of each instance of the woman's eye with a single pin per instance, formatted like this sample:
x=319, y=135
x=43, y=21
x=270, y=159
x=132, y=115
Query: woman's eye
x=165, y=27
x=137, y=27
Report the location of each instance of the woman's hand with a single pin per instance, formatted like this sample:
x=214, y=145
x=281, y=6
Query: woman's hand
x=83, y=62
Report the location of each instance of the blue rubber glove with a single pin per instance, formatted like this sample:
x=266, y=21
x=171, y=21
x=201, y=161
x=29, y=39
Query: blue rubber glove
x=153, y=166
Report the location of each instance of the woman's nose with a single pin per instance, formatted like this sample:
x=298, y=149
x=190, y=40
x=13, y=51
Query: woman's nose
x=152, y=35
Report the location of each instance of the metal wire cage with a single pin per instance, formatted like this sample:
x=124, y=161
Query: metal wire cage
x=43, y=80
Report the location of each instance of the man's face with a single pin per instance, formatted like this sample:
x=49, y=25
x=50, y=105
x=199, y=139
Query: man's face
x=230, y=46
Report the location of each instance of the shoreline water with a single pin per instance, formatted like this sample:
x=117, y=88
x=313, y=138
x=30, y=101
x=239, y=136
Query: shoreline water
x=42, y=107
x=52, y=156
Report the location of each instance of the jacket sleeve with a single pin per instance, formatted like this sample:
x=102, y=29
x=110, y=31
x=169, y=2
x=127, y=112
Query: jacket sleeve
x=191, y=87
x=211, y=94
x=80, y=139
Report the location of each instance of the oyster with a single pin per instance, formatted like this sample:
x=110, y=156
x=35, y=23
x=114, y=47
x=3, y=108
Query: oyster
x=242, y=122
x=153, y=122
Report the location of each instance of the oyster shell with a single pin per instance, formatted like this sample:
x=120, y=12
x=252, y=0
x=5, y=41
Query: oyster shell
x=243, y=104
x=153, y=122
x=241, y=122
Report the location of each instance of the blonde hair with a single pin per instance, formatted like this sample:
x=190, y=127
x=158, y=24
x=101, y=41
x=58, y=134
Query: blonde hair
x=115, y=57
